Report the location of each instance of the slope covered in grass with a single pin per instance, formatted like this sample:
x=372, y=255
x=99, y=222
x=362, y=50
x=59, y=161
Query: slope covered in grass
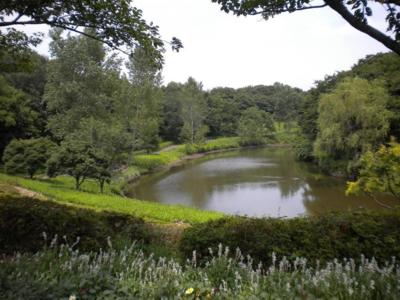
x=61, y=189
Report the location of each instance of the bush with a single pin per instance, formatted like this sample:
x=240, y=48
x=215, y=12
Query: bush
x=27, y=156
x=324, y=238
x=24, y=220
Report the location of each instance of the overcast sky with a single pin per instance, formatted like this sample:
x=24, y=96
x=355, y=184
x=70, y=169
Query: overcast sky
x=224, y=50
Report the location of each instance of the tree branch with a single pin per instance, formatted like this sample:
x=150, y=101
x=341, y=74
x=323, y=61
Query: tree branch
x=15, y=22
x=73, y=29
x=290, y=10
x=340, y=8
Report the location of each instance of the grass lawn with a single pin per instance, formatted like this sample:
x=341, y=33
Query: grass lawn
x=61, y=189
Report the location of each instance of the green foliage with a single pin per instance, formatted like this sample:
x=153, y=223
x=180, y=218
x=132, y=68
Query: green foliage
x=193, y=112
x=218, y=144
x=339, y=235
x=382, y=66
x=171, y=126
x=165, y=144
x=352, y=119
x=149, y=136
x=27, y=156
x=81, y=161
x=78, y=86
x=23, y=221
x=256, y=127
x=145, y=80
x=116, y=24
x=379, y=172
x=63, y=192
x=224, y=113
x=150, y=162
x=287, y=133
x=385, y=67
x=17, y=116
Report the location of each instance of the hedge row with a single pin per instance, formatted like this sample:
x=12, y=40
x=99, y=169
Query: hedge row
x=24, y=220
x=323, y=238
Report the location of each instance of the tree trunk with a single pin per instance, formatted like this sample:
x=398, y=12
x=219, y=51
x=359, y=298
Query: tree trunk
x=102, y=186
x=77, y=183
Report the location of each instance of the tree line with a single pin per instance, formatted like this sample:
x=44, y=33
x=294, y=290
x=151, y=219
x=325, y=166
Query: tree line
x=92, y=111
x=350, y=124
x=85, y=111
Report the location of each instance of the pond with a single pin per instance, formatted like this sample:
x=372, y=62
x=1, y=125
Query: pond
x=253, y=182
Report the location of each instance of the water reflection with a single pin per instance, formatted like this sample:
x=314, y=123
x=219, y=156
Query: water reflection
x=257, y=182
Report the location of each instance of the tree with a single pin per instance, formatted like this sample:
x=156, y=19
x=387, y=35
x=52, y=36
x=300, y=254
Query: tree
x=379, y=172
x=17, y=116
x=224, y=112
x=172, y=123
x=355, y=12
x=146, y=95
x=256, y=127
x=114, y=23
x=384, y=67
x=352, y=120
x=32, y=83
x=74, y=158
x=78, y=85
x=194, y=111
x=27, y=156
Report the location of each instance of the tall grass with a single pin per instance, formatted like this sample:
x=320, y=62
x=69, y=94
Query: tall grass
x=129, y=274
x=219, y=144
x=287, y=133
x=152, y=161
x=61, y=190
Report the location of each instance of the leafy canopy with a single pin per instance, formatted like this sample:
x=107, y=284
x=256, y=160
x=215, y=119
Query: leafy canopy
x=115, y=23
x=256, y=127
x=27, y=156
x=352, y=120
x=379, y=172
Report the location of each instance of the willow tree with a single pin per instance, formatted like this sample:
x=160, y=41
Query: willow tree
x=352, y=119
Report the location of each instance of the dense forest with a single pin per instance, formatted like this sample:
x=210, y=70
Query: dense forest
x=85, y=99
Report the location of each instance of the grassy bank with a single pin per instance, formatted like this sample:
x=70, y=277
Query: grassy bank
x=152, y=161
x=61, y=189
x=145, y=163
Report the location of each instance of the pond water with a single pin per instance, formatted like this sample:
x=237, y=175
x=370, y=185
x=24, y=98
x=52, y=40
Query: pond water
x=253, y=182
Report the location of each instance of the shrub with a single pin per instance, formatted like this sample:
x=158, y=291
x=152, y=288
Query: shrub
x=27, y=156
x=325, y=237
x=24, y=220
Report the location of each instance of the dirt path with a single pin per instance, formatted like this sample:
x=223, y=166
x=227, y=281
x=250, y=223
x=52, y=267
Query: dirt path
x=28, y=193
